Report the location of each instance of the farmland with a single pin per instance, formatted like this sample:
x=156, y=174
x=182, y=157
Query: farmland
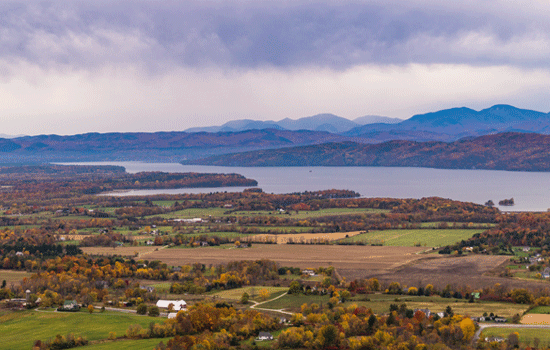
x=352, y=258
x=364, y=258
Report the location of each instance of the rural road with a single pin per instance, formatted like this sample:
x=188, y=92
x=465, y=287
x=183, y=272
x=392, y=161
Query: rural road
x=274, y=310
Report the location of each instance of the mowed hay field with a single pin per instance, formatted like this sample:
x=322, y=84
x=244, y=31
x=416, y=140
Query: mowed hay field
x=14, y=277
x=303, y=237
x=359, y=258
x=122, y=251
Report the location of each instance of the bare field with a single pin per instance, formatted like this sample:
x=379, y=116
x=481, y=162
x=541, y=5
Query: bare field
x=123, y=251
x=304, y=237
x=361, y=258
x=535, y=319
x=476, y=271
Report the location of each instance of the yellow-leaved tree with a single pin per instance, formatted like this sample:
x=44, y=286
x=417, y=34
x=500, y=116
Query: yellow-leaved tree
x=264, y=294
x=468, y=328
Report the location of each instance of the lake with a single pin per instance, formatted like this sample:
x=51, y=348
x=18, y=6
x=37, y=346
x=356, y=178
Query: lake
x=530, y=190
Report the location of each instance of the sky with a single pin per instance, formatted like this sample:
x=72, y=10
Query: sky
x=69, y=67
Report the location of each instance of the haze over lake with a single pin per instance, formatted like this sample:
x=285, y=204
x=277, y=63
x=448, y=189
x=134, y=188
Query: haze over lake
x=530, y=190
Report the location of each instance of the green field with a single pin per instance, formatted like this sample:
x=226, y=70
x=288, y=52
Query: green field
x=526, y=335
x=294, y=301
x=414, y=237
x=235, y=294
x=219, y=212
x=126, y=344
x=19, y=330
x=312, y=213
x=540, y=310
x=193, y=213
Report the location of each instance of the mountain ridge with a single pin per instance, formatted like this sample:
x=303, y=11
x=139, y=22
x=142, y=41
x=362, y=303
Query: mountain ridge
x=319, y=122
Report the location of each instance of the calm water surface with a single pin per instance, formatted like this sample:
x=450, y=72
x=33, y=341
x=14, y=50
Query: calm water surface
x=530, y=190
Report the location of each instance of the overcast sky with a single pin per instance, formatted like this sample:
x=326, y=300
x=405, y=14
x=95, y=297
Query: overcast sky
x=70, y=67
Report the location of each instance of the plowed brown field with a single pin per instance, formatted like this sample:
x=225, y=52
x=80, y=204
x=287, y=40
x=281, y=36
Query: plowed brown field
x=388, y=264
x=342, y=257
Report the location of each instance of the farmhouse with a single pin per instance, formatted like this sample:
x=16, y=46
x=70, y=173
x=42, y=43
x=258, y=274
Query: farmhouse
x=69, y=305
x=178, y=304
x=426, y=312
x=147, y=288
x=546, y=273
x=264, y=336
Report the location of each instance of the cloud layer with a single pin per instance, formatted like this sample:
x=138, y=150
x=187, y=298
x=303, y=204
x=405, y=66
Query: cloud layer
x=73, y=62
x=85, y=34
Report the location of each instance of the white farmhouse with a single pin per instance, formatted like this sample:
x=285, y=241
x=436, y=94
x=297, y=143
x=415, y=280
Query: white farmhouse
x=178, y=304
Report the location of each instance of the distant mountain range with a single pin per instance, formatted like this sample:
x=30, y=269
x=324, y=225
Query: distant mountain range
x=446, y=125
x=440, y=127
x=506, y=151
x=319, y=122
x=456, y=123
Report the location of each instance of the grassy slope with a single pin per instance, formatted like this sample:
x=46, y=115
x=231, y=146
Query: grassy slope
x=18, y=330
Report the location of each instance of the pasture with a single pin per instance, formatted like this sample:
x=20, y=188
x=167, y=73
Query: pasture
x=526, y=335
x=253, y=291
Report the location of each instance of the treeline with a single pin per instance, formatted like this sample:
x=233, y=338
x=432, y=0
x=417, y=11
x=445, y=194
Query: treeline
x=110, y=280
x=519, y=229
x=352, y=327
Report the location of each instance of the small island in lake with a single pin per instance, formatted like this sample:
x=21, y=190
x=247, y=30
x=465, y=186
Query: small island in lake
x=507, y=202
